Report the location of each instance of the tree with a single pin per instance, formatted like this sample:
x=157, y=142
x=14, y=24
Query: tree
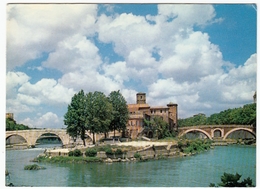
x=120, y=112
x=160, y=126
x=75, y=118
x=232, y=180
x=98, y=113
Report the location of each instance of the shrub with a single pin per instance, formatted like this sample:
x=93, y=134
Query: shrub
x=77, y=153
x=109, y=151
x=91, y=152
x=70, y=153
x=118, y=152
x=137, y=155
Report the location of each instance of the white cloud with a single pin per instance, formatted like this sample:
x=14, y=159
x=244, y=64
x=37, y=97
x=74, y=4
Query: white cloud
x=90, y=81
x=13, y=80
x=187, y=14
x=48, y=120
x=193, y=58
x=36, y=28
x=74, y=53
x=48, y=91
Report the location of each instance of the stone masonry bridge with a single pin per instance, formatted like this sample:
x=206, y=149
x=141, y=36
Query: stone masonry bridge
x=216, y=131
x=31, y=136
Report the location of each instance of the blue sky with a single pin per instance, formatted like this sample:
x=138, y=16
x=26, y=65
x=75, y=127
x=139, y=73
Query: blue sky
x=200, y=56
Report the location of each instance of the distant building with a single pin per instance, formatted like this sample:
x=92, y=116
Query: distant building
x=199, y=114
x=141, y=110
x=9, y=115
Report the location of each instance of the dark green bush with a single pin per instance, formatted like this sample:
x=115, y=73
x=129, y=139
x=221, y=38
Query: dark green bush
x=118, y=152
x=109, y=151
x=70, y=153
x=91, y=152
x=77, y=153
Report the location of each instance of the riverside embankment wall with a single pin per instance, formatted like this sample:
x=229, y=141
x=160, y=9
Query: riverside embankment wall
x=146, y=153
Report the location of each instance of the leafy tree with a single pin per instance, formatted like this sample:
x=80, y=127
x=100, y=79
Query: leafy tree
x=11, y=125
x=98, y=114
x=232, y=180
x=120, y=112
x=161, y=126
x=75, y=118
x=245, y=115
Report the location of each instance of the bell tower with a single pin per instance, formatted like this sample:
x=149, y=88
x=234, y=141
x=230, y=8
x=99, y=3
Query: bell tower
x=140, y=98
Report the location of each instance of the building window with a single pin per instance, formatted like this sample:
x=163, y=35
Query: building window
x=161, y=111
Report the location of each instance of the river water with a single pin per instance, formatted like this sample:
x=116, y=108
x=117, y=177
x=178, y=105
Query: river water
x=194, y=171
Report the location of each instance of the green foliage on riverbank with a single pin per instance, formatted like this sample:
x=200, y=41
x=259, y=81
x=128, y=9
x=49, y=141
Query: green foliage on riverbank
x=194, y=146
x=232, y=180
x=67, y=159
x=91, y=152
x=11, y=125
x=245, y=115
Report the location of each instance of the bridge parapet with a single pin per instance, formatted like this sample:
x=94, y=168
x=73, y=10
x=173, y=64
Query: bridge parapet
x=215, y=126
x=212, y=131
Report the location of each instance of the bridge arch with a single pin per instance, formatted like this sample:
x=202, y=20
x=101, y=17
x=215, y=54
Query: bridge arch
x=237, y=129
x=217, y=130
x=199, y=130
x=42, y=134
x=15, y=134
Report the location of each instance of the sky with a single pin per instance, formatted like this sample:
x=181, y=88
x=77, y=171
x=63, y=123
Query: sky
x=200, y=56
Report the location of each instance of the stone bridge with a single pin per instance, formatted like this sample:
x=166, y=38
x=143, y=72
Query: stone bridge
x=31, y=136
x=216, y=131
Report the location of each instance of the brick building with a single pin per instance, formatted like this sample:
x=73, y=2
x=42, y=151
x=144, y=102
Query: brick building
x=141, y=110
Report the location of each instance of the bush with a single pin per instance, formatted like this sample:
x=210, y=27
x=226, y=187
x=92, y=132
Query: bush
x=109, y=151
x=70, y=153
x=118, y=152
x=77, y=153
x=91, y=152
x=137, y=155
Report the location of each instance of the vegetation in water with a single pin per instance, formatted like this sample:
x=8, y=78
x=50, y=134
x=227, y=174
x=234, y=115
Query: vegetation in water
x=232, y=180
x=245, y=115
x=33, y=167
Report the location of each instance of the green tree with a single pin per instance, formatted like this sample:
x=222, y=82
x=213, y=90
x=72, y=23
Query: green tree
x=98, y=113
x=120, y=112
x=11, y=125
x=75, y=118
x=232, y=180
x=158, y=125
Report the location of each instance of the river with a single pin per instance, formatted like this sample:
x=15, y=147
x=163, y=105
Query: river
x=193, y=171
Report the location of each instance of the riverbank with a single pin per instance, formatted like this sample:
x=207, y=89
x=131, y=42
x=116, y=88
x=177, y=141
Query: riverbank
x=126, y=151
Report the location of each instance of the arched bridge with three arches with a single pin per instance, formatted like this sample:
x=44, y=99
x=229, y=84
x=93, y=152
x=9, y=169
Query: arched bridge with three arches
x=220, y=131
